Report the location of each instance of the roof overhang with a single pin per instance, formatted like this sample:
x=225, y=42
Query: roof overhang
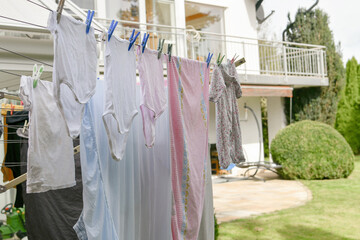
x=266, y=91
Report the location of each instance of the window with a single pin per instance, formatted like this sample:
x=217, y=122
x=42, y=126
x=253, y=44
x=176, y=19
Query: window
x=123, y=9
x=204, y=17
x=160, y=12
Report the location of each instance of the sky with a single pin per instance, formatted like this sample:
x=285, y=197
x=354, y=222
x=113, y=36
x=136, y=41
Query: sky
x=343, y=21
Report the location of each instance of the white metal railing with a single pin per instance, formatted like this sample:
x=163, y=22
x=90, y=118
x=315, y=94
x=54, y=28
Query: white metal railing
x=262, y=56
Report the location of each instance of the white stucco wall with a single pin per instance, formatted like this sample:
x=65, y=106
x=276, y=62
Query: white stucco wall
x=276, y=116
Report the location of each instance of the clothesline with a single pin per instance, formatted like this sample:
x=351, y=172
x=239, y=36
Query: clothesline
x=44, y=7
x=13, y=164
x=15, y=74
x=21, y=55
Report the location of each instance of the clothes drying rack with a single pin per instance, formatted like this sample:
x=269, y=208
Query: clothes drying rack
x=254, y=165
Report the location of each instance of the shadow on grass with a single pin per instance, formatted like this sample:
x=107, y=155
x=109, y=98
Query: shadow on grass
x=290, y=232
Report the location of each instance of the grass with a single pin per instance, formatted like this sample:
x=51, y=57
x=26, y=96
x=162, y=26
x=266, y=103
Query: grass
x=333, y=214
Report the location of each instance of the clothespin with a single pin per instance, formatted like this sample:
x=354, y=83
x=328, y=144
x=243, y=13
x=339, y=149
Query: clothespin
x=169, y=50
x=239, y=62
x=218, y=61
x=160, y=47
x=12, y=107
x=208, y=60
x=112, y=28
x=90, y=15
x=234, y=58
x=25, y=126
x=144, y=41
x=36, y=74
x=132, y=39
x=59, y=10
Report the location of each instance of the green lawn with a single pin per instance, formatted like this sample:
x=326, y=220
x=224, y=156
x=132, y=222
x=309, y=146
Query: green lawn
x=334, y=213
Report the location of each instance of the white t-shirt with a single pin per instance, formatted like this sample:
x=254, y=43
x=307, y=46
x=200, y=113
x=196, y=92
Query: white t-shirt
x=50, y=154
x=120, y=103
x=75, y=65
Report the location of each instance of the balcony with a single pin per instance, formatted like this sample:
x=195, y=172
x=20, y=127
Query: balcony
x=267, y=62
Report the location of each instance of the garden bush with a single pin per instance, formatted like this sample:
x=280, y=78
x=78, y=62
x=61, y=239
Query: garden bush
x=312, y=150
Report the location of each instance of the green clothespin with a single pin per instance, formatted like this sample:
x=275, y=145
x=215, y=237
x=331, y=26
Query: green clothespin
x=160, y=47
x=219, y=61
x=36, y=74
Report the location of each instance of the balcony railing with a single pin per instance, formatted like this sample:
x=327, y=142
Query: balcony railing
x=272, y=58
x=262, y=56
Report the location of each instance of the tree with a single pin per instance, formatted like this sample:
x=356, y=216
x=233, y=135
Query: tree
x=317, y=103
x=348, y=114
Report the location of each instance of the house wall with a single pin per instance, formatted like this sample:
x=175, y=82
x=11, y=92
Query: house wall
x=249, y=128
x=276, y=116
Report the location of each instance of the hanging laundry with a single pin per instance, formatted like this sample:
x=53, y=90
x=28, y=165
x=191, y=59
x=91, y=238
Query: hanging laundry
x=188, y=83
x=75, y=64
x=225, y=89
x=7, y=172
x=128, y=199
x=52, y=214
x=153, y=96
x=50, y=156
x=207, y=230
x=12, y=157
x=120, y=106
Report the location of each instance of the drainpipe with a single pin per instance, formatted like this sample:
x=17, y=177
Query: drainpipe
x=291, y=24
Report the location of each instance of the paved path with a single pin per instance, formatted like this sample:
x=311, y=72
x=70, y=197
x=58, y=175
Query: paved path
x=241, y=199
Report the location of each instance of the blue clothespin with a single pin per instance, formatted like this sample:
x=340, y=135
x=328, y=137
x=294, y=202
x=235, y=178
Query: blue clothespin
x=132, y=39
x=208, y=60
x=89, y=19
x=112, y=28
x=144, y=41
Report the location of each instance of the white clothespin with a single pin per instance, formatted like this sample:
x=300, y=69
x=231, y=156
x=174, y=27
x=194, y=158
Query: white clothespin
x=36, y=74
x=25, y=126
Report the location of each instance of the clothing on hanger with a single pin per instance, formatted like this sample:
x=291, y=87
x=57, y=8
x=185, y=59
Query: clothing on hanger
x=225, y=89
x=188, y=86
x=75, y=65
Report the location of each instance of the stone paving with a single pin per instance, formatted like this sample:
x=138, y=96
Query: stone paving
x=245, y=198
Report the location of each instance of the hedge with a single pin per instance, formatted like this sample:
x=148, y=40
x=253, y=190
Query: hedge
x=312, y=150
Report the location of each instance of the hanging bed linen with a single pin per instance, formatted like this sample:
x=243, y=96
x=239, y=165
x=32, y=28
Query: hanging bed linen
x=188, y=86
x=127, y=199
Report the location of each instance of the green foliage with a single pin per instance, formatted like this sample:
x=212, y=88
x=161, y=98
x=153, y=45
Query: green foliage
x=216, y=228
x=312, y=150
x=317, y=103
x=348, y=114
x=264, y=121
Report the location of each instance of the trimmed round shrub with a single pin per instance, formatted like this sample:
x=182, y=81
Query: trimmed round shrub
x=312, y=150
